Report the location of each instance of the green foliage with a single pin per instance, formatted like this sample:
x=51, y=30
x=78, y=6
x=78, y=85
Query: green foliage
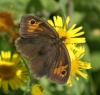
x=85, y=13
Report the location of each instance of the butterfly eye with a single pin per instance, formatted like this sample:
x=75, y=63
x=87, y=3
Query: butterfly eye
x=33, y=21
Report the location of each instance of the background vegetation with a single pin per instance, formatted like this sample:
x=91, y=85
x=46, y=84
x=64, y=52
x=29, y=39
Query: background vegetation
x=84, y=13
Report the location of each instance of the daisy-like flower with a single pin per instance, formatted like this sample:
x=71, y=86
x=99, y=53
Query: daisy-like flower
x=13, y=73
x=72, y=39
x=77, y=66
x=36, y=90
x=70, y=34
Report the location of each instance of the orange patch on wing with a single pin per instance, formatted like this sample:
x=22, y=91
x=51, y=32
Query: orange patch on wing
x=35, y=26
x=59, y=71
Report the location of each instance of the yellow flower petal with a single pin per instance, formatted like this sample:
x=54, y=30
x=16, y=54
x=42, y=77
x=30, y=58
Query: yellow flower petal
x=50, y=22
x=5, y=85
x=81, y=74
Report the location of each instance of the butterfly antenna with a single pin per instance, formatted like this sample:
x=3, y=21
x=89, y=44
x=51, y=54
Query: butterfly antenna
x=63, y=15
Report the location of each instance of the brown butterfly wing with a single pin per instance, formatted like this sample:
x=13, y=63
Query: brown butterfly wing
x=35, y=33
x=55, y=64
x=61, y=70
x=34, y=26
x=29, y=47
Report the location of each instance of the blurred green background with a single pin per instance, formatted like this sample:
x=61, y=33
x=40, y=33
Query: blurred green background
x=84, y=13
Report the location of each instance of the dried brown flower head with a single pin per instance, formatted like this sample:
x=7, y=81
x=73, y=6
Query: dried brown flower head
x=6, y=21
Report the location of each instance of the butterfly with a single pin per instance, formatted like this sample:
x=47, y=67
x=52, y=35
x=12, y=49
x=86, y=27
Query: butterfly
x=40, y=43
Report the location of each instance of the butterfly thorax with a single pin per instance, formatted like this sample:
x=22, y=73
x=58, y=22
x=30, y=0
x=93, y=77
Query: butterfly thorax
x=55, y=42
x=59, y=41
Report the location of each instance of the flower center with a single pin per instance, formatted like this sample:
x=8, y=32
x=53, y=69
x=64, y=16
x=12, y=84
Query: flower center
x=7, y=72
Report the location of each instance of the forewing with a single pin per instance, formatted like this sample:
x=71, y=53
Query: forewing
x=31, y=25
x=61, y=69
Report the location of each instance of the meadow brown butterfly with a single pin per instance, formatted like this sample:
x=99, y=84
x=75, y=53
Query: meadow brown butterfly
x=40, y=43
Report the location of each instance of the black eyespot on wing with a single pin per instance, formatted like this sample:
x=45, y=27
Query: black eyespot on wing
x=33, y=21
x=63, y=72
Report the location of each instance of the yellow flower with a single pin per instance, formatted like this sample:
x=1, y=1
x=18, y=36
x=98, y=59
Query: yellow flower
x=77, y=66
x=72, y=40
x=64, y=32
x=36, y=90
x=12, y=73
